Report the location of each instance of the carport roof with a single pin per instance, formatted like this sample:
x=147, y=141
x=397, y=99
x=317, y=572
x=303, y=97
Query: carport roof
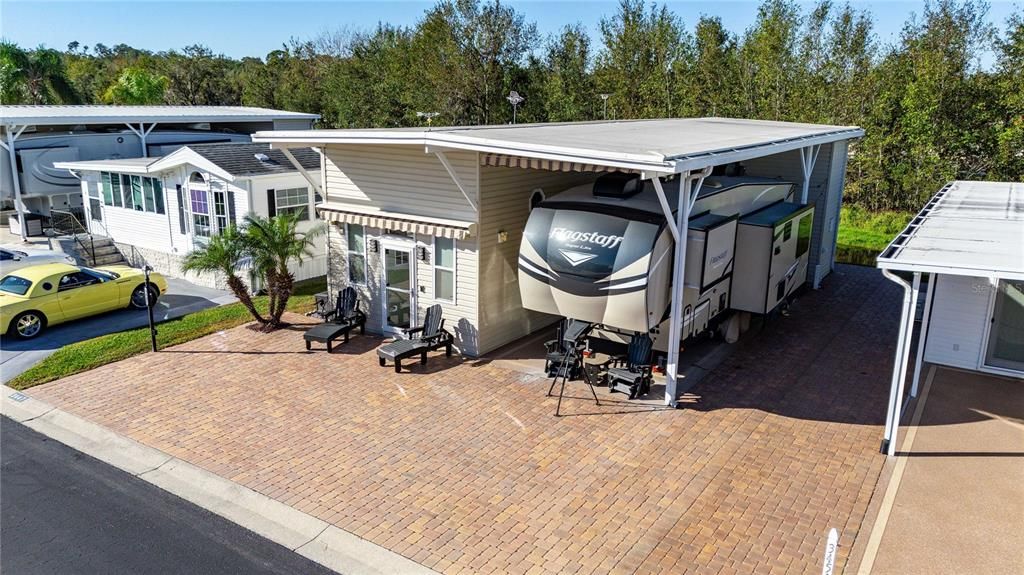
x=967, y=228
x=660, y=146
x=94, y=114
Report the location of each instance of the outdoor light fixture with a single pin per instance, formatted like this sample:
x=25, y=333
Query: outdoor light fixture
x=374, y=246
x=605, y=98
x=515, y=99
x=421, y=253
x=502, y=237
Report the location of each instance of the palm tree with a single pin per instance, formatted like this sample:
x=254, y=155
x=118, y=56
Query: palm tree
x=222, y=254
x=273, y=244
x=33, y=77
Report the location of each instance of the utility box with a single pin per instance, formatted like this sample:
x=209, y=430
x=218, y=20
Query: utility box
x=771, y=255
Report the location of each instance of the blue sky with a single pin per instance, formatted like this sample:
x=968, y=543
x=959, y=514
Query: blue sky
x=256, y=27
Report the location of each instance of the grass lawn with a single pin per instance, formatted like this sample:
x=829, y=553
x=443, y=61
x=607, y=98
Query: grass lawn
x=92, y=353
x=863, y=234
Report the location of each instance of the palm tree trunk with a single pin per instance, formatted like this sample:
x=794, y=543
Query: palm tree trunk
x=241, y=292
x=281, y=287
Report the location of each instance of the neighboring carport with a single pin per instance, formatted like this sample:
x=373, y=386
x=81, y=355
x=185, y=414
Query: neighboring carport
x=968, y=241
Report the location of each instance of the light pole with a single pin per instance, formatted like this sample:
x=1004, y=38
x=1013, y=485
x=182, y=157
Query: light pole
x=515, y=99
x=604, y=97
x=149, y=307
x=428, y=116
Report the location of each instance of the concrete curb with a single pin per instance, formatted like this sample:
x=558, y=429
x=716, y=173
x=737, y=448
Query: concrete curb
x=312, y=538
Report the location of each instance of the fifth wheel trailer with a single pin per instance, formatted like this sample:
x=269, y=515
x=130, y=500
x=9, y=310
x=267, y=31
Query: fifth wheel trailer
x=602, y=253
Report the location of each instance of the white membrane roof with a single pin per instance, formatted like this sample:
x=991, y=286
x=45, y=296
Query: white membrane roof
x=666, y=145
x=967, y=228
x=94, y=114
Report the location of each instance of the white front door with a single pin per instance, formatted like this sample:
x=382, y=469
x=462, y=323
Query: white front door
x=399, y=284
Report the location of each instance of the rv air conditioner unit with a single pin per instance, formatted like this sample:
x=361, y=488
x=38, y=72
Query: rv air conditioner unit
x=771, y=256
x=607, y=257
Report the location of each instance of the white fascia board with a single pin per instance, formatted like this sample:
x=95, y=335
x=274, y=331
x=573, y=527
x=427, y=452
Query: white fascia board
x=183, y=156
x=99, y=166
x=97, y=120
x=935, y=268
x=728, y=156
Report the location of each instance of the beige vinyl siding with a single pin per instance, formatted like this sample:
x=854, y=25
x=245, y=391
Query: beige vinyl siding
x=787, y=166
x=460, y=316
x=958, y=321
x=402, y=179
x=505, y=200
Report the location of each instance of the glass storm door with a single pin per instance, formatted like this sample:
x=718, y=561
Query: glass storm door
x=1006, y=340
x=398, y=289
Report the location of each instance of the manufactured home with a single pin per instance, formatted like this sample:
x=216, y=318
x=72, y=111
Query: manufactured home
x=968, y=244
x=156, y=210
x=420, y=216
x=35, y=137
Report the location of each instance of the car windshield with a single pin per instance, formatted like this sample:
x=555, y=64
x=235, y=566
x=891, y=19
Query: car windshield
x=15, y=285
x=105, y=276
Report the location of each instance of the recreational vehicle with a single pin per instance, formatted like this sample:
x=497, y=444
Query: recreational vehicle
x=602, y=253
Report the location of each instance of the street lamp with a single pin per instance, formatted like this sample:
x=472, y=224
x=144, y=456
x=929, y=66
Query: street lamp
x=428, y=115
x=605, y=98
x=515, y=99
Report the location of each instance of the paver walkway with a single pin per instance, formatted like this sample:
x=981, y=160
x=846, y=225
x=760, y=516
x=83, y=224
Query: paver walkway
x=462, y=467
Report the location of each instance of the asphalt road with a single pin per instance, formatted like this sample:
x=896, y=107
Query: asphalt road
x=182, y=298
x=65, y=512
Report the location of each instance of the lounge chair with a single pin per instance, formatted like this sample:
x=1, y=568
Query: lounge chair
x=339, y=321
x=430, y=336
x=631, y=374
x=565, y=356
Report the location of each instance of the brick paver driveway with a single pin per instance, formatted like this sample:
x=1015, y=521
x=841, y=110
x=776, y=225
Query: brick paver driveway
x=462, y=467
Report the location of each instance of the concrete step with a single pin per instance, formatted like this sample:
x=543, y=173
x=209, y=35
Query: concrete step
x=102, y=250
x=107, y=260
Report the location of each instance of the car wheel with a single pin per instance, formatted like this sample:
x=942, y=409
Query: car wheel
x=139, y=298
x=28, y=324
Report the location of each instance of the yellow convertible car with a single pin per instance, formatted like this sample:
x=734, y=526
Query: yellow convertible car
x=34, y=297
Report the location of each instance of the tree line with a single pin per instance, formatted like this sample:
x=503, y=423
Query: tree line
x=930, y=111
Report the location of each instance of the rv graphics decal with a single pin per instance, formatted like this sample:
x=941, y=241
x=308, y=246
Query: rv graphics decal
x=605, y=241
x=576, y=258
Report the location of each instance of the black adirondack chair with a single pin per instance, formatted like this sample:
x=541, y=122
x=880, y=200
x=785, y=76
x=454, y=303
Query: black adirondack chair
x=631, y=374
x=339, y=321
x=568, y=337
x=565, y=356
x=428, y=337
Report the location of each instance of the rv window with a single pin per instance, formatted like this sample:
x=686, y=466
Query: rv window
x=444, y=269
x=293, y=201
x=356, y=240
x=787, y=231
x=803, y=237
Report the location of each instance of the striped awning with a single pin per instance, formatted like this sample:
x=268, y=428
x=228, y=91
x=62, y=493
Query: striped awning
x=506, y=161
x=394, y=221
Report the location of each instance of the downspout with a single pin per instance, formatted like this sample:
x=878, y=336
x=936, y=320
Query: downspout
x=899, y=369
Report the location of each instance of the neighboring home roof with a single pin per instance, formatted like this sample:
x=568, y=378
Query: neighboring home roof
x=665, y=146
x=93, y=114
x=967, y=228
x=228, y=160
x=240, y=160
